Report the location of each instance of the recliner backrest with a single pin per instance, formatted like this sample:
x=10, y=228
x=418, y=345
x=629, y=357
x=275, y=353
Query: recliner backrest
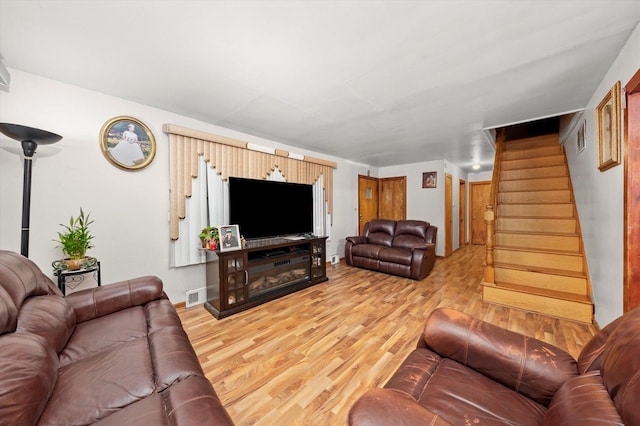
x=380, y=232
x=410, y=232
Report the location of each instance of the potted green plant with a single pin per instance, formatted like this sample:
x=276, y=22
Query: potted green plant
x=76, y=239
x=209, y=237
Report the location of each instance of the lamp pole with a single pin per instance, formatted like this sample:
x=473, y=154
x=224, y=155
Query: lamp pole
x=30, y=138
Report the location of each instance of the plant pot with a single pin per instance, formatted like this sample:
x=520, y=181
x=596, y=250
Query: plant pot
x=205, y=243
x=74, y=264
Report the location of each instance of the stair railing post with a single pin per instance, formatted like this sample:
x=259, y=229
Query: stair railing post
x=489, y=220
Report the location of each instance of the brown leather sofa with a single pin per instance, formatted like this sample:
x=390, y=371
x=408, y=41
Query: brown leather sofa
x=404, y=247
x=111, y=355
x=469, y=372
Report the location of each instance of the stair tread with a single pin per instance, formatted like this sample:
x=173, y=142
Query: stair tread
x=572, y=297
x=540, y=234
x=556, y=218
x=550, y=271
x=549, y=251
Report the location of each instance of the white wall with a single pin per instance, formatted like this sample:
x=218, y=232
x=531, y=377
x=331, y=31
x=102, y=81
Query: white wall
x=600, y=198
x=428, y=203
x=130, y=209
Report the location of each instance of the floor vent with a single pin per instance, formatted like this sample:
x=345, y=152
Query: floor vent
x=335, y=259
x=196, y=297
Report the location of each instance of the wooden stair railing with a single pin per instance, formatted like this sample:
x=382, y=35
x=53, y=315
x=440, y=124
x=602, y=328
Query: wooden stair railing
x=489, y=214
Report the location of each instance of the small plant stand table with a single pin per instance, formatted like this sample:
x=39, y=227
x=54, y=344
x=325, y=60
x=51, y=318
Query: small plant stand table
x=72, y=279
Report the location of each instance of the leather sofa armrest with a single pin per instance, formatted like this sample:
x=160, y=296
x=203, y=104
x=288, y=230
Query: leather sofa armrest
x=526, y=365
x=104, y=300
x=358, y=239
x=390, y=407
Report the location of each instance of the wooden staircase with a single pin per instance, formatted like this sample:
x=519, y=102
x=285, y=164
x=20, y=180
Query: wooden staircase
x=538, y=257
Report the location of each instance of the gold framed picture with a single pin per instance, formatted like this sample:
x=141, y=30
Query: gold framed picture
x=127, y=143
x=608, y=129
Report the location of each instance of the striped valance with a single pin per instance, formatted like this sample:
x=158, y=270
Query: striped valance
x=232, y=157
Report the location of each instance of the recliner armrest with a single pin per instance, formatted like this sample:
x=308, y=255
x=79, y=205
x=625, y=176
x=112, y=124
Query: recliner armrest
x=358, y=239
x=104, y=300
x=526, y=365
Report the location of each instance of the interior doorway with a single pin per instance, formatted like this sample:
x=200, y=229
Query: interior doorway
x=462, y=213
x=367, y=200
x=479, y=194
x=448, y=215
x=384, y=198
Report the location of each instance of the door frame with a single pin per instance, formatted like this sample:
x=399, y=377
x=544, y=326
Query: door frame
x=462, y=213
x=631, y=269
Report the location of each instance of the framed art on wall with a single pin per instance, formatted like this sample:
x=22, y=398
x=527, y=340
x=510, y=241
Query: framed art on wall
x=608, y=129
x=127, y=143
x=580, y=142
x=429, y=179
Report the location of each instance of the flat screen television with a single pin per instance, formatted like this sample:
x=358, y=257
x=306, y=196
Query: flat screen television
x=265, y=208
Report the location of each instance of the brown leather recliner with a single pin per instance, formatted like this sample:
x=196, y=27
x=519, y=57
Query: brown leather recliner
x=405, y=247
x=469, y=372
x=112, y=355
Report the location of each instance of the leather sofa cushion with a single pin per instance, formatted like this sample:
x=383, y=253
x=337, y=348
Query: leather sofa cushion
x=49, y=317
x=461, y=395
x=620, y=368
x=19, y=279
x=190, y=402
x=380, y=231
x=371, y=251
x=28, y=372
x=529, y=366
x=395, y=255
x=105, y=381
x=581, y=400
x=408, y=233
x=92, y=337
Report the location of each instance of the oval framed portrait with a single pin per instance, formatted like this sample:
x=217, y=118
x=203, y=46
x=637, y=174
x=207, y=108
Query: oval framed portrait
x=127, y=143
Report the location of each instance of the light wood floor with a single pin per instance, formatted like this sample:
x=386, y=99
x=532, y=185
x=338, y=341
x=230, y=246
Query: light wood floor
x=304, y=359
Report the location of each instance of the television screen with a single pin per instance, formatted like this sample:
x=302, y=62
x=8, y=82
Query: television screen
x=265, y=208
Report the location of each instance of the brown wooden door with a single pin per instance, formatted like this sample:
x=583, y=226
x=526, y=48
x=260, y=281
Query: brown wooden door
x=462, y=214
x=393, y=198
x=479, y=193
x=631, y=293
x=448, y=215
x=367, y=200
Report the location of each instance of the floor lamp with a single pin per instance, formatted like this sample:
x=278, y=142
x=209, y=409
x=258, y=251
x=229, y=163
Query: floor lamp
x=30, y=139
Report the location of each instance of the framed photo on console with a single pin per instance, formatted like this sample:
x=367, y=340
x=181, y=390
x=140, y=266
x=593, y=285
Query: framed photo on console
x=229, y=237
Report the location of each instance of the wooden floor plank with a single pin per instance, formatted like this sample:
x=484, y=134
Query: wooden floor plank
x=304, y=359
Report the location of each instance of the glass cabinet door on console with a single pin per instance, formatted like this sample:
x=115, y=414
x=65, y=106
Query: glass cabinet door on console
x=318, y=263
x=234, y=274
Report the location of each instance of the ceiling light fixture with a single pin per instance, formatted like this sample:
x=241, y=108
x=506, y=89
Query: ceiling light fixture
x=475, y=166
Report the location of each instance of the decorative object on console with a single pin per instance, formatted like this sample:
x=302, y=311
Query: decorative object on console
x=229, y=238
x=30, y=138
x=76, y=240
x=429, y=179
x=127, y=143
x=209, y=237
x=608, y=125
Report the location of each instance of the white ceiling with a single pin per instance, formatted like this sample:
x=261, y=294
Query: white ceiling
x=376, y=82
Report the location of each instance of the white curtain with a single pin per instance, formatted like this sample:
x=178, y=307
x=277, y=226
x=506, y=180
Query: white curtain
x=208, y=205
